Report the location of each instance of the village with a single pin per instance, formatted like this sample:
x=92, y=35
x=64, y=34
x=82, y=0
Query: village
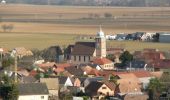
x=86, y=71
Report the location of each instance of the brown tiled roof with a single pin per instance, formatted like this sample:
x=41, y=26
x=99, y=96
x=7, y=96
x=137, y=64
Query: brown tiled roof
x=141, y=74
x=84, y=48
x=52, y=83
x=110, y=85
x=102, y=61
x=150, y=50
x=46, y=65
x=162, y=64
x=75, y=70
x=136, y=97
x=152, y=55
x=23, y=51
x=127, y=76
x=129, y=85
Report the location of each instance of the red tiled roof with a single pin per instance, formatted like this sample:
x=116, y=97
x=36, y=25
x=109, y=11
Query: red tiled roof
x=93, y=72
x=163, y=63
x=46, y=65
x=102, y=61
x=58, y=68
x=62, y=65
x=33, y=73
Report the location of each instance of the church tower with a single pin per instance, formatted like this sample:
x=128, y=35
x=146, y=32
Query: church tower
x=100, y=44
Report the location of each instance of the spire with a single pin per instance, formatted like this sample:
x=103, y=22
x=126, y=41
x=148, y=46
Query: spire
x=100, y=33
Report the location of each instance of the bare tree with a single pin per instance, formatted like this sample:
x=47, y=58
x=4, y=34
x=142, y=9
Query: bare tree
x=7, y=27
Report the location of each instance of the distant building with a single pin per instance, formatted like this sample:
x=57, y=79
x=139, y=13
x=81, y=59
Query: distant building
x=21, y=51
x=84, y=52
x=33, y=91
x=3, y=2
x=165, y=38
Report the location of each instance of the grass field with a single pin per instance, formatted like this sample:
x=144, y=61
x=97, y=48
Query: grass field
x=35, y=40
x=44, y=40
x=42, y=26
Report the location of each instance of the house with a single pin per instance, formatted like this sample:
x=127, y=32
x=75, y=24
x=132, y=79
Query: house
x=114, y=51
x=28, y=79
x=160, y=65
x=105, y=63
x=164, y=38
x=52, y=85
x=60, y=68
x=120, y=36
x=144, y=77
x=87, y=81
x=33, y=91
x=84, y=52
x=79, y=81
x=3, y=2
x=68, y=52
x=128, y=83
x=65, y=81
x=97, y=90
x=23, y=71
x=129, y=86
x=21, y=51
x=148, y=55
x=136, y=65
x=94, y=66
x=74, y=71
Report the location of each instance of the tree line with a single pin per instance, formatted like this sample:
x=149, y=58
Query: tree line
x=131, y=3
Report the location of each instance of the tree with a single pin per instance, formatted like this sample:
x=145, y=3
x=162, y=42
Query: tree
x=156, y=37
x=26, y=62
x=125, y=57
x=165, y=80
x=7, y=27
x=8, y=89
x=7, y=62
x=113, y=79
x=111, y=57
x=107, y=15
x=52, y=53
x=154, y=89
x=36, y=54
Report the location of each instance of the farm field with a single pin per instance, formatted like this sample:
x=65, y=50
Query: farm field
x=38, y=26
x=44, y=40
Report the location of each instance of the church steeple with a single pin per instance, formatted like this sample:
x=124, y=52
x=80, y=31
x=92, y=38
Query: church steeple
x=100, y=33
x=100, y=44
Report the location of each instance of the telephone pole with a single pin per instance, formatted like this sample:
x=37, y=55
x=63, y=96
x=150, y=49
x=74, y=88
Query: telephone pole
x=15, y=68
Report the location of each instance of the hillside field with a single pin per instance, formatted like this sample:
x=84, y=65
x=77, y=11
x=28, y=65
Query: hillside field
x=38, y=26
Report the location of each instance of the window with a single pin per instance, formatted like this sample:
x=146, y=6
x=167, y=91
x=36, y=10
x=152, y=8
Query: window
x=89, y=58
x=79, y=58
x=42, y=97
x=84, y=58
x=103, y=87
x=74, y=58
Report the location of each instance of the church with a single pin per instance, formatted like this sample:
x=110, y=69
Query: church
x=85, y=52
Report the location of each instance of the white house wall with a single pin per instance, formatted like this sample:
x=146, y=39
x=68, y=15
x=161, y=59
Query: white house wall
x=33, y=97
x=68, y=82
